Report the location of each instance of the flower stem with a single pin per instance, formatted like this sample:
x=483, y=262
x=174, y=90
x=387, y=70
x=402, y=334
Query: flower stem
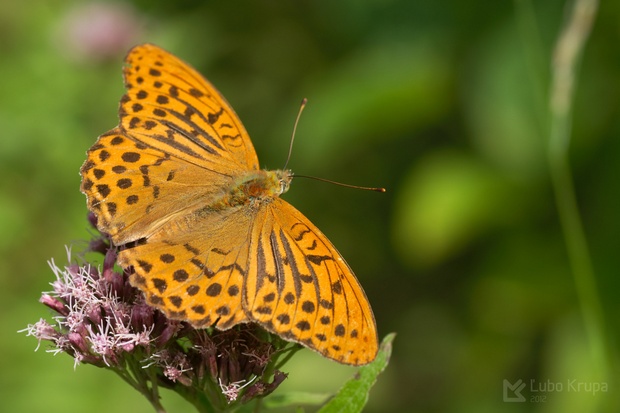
x=567, y=56
x=290, y=352
x=200, y=400
x=134, y=375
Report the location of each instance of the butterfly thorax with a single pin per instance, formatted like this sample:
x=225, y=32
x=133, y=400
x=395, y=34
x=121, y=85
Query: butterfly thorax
x=255, y=187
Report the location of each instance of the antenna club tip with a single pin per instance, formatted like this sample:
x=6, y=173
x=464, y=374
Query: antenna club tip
x=304, y=101
x=380, y=190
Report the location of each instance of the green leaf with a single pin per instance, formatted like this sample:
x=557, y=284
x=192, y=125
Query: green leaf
x=354, y=394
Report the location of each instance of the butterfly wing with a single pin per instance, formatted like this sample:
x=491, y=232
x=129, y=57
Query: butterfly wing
x=170, y=106
x=135, y=189
x=179, y=143
x=299, y=287
x=196, y=272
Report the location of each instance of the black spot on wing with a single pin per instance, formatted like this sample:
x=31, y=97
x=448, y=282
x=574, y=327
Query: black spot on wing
x=318, y=259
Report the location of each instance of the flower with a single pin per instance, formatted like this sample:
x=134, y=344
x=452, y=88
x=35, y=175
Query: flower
x=98, y=30
x=100, y=319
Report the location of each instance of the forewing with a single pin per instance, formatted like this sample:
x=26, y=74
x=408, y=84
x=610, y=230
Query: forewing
x=299, y=287
x=134, y=189
x=171, y=107
x=179, y=144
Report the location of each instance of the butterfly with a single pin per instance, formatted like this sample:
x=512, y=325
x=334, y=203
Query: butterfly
x=177, y=186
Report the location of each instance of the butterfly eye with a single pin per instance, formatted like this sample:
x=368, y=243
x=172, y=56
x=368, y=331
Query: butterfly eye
x=284, y=178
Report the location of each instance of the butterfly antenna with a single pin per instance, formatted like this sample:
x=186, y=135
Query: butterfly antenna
x=290, y=148
x=365, y=188
x=290, y=151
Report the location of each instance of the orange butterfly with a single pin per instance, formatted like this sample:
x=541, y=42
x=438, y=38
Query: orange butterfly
x=210, y=240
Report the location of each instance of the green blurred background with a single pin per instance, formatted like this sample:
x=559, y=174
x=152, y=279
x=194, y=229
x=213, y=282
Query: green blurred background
x=444, y=103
